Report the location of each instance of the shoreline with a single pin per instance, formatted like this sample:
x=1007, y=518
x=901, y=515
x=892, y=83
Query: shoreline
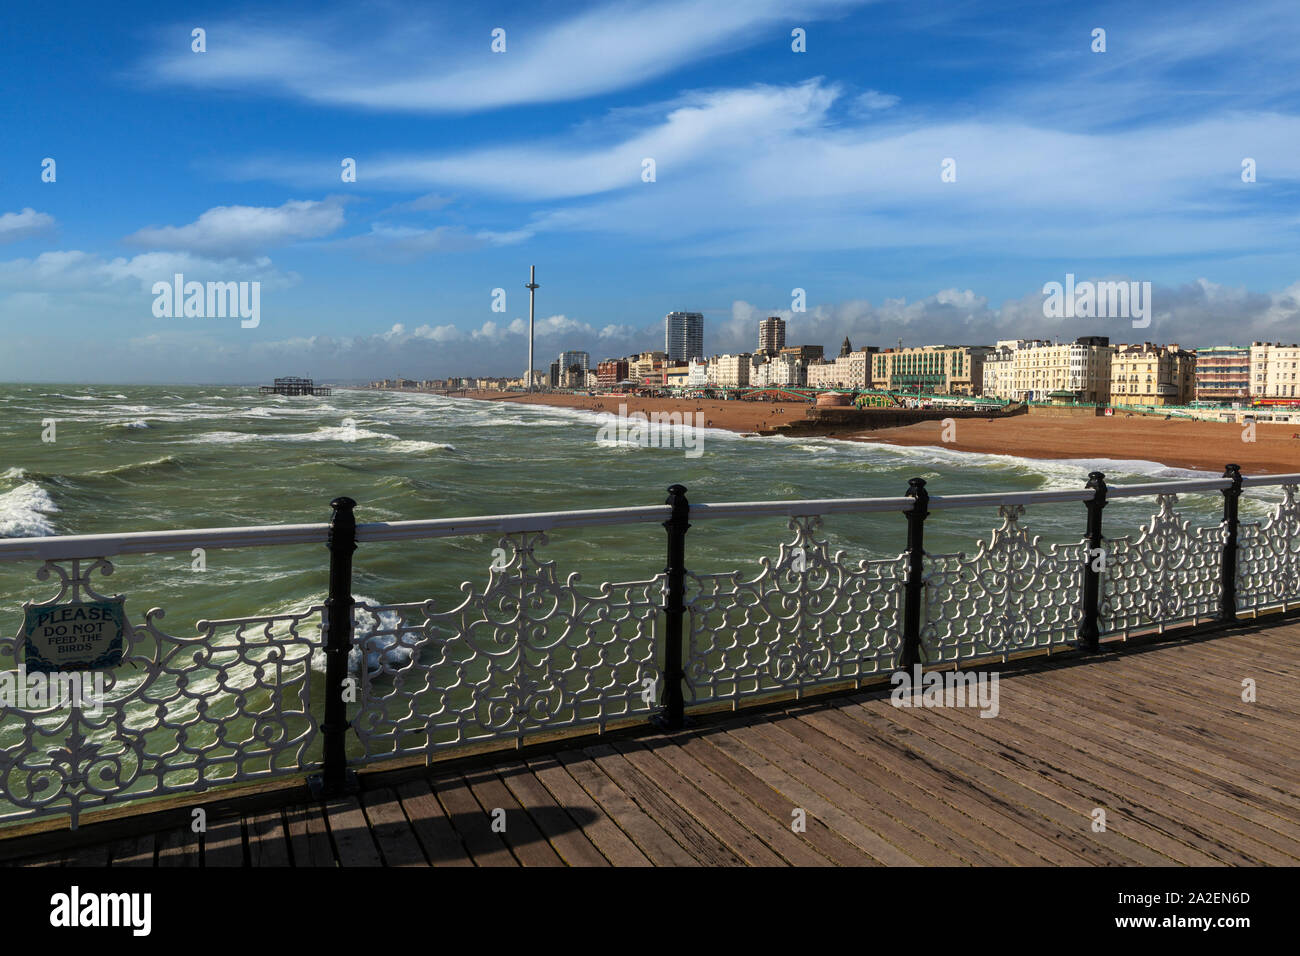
x=1176, y=443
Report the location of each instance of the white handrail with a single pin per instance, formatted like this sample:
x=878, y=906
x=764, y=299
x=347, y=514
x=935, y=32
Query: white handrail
x=62, y=547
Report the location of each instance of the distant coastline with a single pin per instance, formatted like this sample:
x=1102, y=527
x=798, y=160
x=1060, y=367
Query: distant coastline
x=1175, y=443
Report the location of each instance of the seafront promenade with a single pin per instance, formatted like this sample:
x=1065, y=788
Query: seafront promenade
x=1140, y=672
x=1155, y=734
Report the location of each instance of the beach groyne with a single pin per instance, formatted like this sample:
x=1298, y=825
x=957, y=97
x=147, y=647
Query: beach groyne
x=824, y=420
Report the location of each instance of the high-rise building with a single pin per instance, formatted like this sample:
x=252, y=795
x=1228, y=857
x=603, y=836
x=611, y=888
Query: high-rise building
x=570, y=359
x=684, y=336
x=771, y=335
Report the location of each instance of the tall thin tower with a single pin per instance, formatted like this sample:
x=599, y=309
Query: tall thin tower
x=532, y=292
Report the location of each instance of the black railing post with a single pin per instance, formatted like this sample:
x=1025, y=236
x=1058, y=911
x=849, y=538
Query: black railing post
x=1228, y=581
x=916, y=515
x=1094, y=560
x=672, y=699
x=335, y=777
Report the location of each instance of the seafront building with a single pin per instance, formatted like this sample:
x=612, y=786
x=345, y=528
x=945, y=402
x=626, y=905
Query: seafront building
x=1078, y=371
x=733, y=370
x=947, y=369
x=1223, y=373
x=1150, y=374
x=684, y=336
x=848, y=370
x=611, y=372
x=1274, y=370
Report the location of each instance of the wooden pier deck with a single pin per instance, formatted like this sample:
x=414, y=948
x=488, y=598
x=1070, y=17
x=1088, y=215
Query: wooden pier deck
x=1157, y=736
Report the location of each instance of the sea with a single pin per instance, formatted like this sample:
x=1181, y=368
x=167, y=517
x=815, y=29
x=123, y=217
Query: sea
x=99, y=459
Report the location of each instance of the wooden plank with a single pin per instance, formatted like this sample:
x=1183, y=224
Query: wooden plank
x=1019, y=832
x=391, y=830
x=223, y=843
x=688, y=833
x=1018, y=767
x=133, y=851
x=776, y=834
x=746, y=845
x=309, y=839
x=818, y=836
x=353, y=842
x=603, y=832
x=561, y=828
x=442, y=845
x=1075, y=771
x=891, y=840
x=1151, y=786
x=1163, y=745
x=1109, y=745
x=472, y=823
x=805, y=798
x=660, y=848
x=520, y=831
x=179, y=847
x=906, y=799
x=268, y=840
x=95, y=855
x=952, y=757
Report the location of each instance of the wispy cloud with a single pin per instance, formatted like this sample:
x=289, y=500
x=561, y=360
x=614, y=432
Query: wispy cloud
x=443, y=62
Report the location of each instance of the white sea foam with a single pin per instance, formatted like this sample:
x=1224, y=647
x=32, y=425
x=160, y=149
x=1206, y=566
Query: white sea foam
x=412, y=447
x=137, y=423
x=23, y=512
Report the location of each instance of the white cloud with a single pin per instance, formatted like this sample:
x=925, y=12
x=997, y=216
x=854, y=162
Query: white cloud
x=25, y=225
x=419, y=62
x=245, y=230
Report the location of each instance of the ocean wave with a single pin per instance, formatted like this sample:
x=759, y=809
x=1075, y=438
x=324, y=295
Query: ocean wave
x=341, y=433
x=403, y=446
x=137, y=423
x=165, y=463
x=23, y=512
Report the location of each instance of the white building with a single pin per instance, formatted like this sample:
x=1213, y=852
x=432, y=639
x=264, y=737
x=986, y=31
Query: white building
x=787, y=369
x=733, y=370
x=1274, y=370
x=698, y=374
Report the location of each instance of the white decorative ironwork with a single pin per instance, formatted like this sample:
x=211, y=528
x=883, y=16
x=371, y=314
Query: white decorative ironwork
x=177, y=714
x=1011, y=595
x=1170, y=574
x=1268, y=557
x=808, y=618
x=527, y=653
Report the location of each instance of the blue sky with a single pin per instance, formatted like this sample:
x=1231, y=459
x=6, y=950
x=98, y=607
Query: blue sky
x=775, y=170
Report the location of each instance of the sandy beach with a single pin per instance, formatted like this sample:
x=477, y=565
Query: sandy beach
x=1177, y=443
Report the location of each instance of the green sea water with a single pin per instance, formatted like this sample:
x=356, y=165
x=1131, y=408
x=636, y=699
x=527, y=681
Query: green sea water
x=151, y=458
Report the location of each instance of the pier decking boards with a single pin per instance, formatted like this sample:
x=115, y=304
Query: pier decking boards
x=1157, y=736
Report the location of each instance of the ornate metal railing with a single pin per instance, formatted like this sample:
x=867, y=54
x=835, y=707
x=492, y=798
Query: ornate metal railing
x=529, y=649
